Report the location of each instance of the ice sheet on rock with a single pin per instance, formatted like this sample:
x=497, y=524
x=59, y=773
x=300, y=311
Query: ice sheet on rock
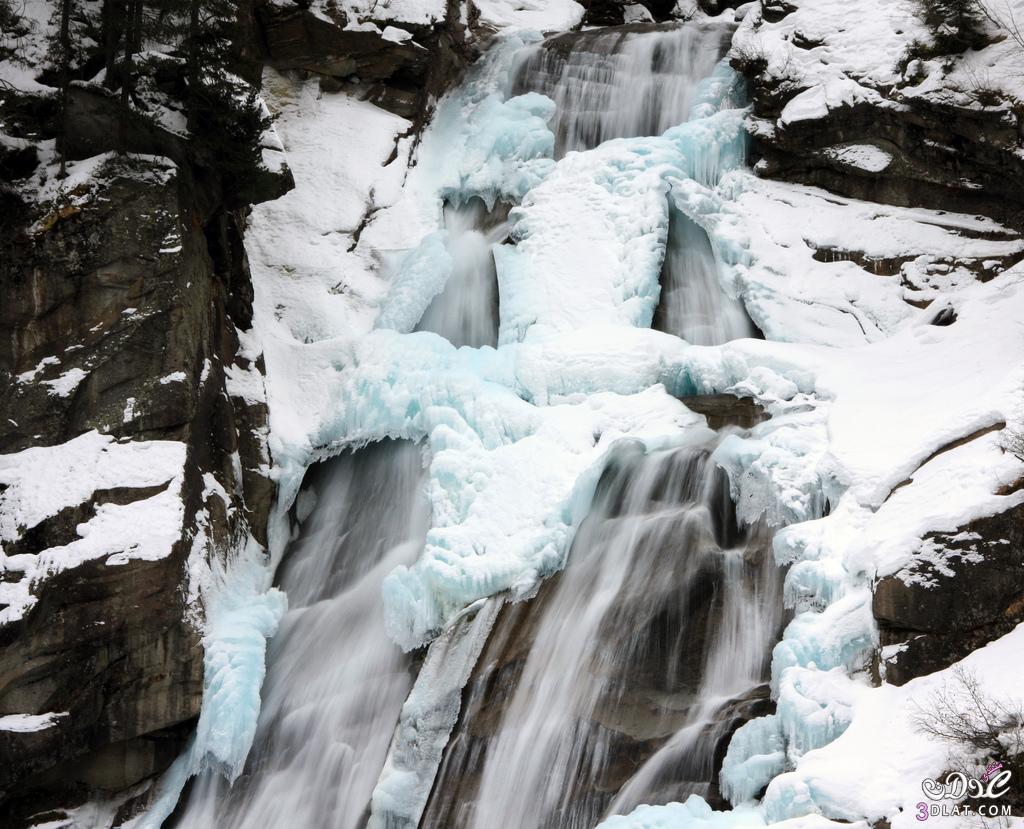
x=506, y=148
x=487, y=478
x=756, y=754
x=815, y=705
x=479, y=143
x=874, y=770
x=421, y=276
x=242, y=612
x=842, y=635
x=525, y=498
x=590, y=239
x=427, y=719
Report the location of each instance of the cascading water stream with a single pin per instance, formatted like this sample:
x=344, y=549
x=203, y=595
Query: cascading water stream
x=618, y=689
x=692, y=304
x=466, y=311
x=623, y=82
x=665, y=613
x=633, y=81
x=653, y=644
x=335, y=682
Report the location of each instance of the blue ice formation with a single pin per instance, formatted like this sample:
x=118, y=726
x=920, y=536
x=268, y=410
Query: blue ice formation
x=695, y=813
x=242, y=613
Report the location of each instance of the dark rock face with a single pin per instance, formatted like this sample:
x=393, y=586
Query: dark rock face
x=726, y=410
x=936, y=617
x=132, y=285
x=951, y=158
x=942, y=155
x=403, y=76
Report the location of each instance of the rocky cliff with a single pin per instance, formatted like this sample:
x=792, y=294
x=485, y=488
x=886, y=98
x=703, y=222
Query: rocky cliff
x=135, y=426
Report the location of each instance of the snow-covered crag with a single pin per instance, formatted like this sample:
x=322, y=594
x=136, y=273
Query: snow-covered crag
x=622, y=578
x=135, y=479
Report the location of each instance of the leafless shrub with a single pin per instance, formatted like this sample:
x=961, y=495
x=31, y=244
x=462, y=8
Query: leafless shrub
x=961, y=713
x=1013, y=441
x=977, y=728
x=1001, y=15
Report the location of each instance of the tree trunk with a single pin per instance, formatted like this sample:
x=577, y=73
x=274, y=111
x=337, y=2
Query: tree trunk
x=64, y=42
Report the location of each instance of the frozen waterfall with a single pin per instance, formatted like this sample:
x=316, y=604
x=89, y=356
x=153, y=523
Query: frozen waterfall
x=621, y=680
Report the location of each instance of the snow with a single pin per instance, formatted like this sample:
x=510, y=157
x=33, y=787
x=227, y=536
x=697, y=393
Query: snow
x=876, y=768
x=395, y=35
x=839, y=54
x=25, y=723
x=41, y=481
x=538, y=15
x=305, y=238
x=843, y=66
x=64, y=385
x=363, y=15
x=866, y=157
x=31, y=374
x=693, y=814
x=792, y=296
x=862, y=390
x=816, y=102
x=696, y=814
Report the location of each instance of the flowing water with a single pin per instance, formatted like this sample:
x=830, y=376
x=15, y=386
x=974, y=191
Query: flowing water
x=621, y=82
x=692, y=303
x=335, y=682
x=466, y=311
x=639, y=80
x=620, y=681
x=664, y=615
